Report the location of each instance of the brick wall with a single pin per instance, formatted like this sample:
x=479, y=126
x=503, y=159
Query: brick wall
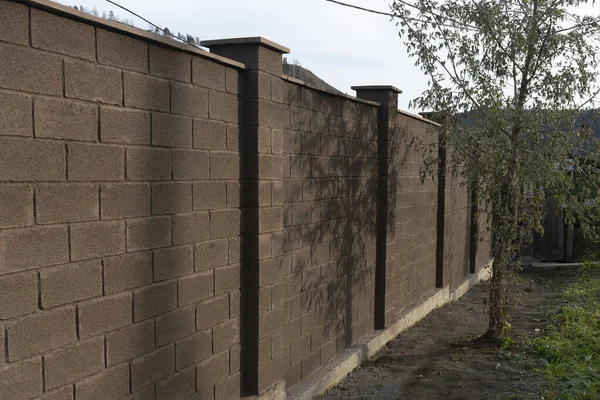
x=182, y=224
x=329, y=227
x=413, y=274
x=456, y=232
x=119, y=213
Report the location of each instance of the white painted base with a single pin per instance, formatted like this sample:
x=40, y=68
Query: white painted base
x=333, y=373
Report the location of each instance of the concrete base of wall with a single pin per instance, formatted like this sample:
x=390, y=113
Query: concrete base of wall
x=333, y=373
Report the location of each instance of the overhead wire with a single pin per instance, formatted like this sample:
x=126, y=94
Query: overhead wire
x=165, y=32
x=404, y=18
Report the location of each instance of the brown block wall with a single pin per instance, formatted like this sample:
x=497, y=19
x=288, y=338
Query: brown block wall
x=119, y=213
x=330, y=207
x=456, y=232
x=177, y=224
x=413, y=269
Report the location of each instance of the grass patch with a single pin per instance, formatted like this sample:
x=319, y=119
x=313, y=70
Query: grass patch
x=569, y=353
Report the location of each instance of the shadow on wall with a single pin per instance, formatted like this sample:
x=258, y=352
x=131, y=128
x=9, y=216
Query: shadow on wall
x=340, y=169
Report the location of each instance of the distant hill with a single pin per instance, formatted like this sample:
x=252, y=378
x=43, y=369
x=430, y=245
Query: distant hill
x=297, y=71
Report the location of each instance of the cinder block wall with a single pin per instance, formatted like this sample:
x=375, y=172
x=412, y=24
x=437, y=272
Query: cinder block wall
x=181, y=224
x=456, y=232
x=329, y=225
x=119, y=213
x=413, y=268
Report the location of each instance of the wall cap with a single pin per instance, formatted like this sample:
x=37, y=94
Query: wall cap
x=258, y=40
x=377, y=87
x=68, y=12
x=419, y=117
x=316, y=89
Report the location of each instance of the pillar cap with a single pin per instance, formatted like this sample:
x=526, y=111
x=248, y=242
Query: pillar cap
x=377, y=87
x=259, y=40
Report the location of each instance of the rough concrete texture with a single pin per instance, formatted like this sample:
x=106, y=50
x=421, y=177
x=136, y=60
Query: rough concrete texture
x=158, y=203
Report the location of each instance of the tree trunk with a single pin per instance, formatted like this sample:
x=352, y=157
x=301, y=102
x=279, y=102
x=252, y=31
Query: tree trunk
x=496, y=317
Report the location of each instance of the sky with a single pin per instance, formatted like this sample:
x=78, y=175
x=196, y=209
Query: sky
x=343, y=46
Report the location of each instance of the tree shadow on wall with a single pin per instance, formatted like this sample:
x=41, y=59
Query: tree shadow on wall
x=342, y=170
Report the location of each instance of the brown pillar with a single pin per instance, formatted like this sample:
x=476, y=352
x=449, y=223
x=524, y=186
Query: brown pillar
x=261, y=178
x=387, y=96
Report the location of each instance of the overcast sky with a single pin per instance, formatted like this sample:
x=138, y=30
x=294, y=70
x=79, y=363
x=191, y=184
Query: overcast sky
x=344, y=47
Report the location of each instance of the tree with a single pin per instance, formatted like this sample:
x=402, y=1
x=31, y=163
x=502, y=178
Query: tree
x=508, y=79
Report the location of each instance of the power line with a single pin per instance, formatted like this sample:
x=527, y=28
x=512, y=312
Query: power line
x=360, y=8
x=403, y=18
x=154, y=25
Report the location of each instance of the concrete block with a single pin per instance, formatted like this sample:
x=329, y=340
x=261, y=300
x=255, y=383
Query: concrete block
x=32, y=248
x=270, y=166
x=74, y=362
x=226, y=335
x=147, y=92
x=124, y=125
x=270, y=219
x=170, y=130
x=153, y=367
x=194, y=349
x=127, y=272
x=15, y=112
x=233, y=81
x=130, y=342
x=190, y=165
x=210, y=195
x=189, y=100
x=70, y=283
x=41, y=333
x=227, y=279
x=15, y=23
x=154, y=300
x=211, y=254
x=92, y=82
x=224, y=165
x=22, y=380
x=223, y=106
x=208, y=73
x=97, y=239
x=170, y=64
x=29, y=160
x=191, y=228
x=179, y=386
x=210, y=135
x=175, y=325
x=112, y=383
x=195, y=288
x=212, y=312
x=148, y=233
x=212, y=370
x=118, y=50
x=88, y=162
x=173, y=262
x=225, y=223
x=125, y=200
x=273, y=115
x=66, y=203
x=230, y=388
x=104, y=314
x=63, y=393
x=25, y=69
x=171, y=198
x=16, y=206
x=60, y=119
x=61, y=35
x=18, y=295
x=148, y=164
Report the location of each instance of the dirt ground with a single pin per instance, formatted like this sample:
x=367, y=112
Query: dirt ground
x=438, y=358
